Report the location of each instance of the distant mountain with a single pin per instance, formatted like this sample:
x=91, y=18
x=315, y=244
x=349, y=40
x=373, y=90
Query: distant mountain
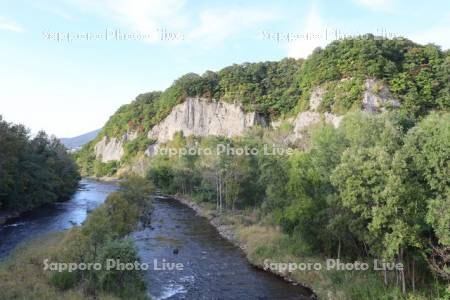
x=76, y=142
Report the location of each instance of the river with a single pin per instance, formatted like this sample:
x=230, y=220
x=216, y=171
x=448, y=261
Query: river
x=54, y=217
x=213, y=268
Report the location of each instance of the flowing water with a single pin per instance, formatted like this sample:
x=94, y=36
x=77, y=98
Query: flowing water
x=54, y=217
x=212, y=267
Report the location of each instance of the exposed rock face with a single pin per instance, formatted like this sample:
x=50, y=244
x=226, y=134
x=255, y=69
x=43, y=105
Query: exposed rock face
x=277, y=123
x=307, y=118
x=195, y=116
x=316, y=98
x=199, y=117
x=310, y=117
x=333, y=119
x=375, y=101
x=110, y=149
x=376, y=98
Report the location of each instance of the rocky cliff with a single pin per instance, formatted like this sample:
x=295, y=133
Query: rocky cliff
x=376, y=98
x=111, y=149
x=195, y=116
x=202, y=117
x=307, y=118
x=347, y=76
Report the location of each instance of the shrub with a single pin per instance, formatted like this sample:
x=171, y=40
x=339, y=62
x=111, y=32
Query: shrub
x=64, y=280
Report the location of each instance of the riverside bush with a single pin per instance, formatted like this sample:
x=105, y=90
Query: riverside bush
x=103, y=237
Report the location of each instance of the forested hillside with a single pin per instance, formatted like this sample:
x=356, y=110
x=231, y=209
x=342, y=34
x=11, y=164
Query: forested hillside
x=33, y=170
x=374, y=187
x=416, y=75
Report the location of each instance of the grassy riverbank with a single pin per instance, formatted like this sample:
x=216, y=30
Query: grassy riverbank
x=265, y=243
x=38, y=269
x=22, y=275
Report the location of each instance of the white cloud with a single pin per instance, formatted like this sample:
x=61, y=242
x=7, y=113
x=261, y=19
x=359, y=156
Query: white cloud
x=439, y=35
x=209, y=27
x=314, y=28
x=144, y=16
x=216, y=26
x=148, y=15
x=57, y=11
x=375, y=4
x=9, y=25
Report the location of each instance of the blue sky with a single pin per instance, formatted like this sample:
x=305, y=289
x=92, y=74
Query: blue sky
x=70, y=87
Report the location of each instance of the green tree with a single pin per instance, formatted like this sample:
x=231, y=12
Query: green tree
x=33, y=171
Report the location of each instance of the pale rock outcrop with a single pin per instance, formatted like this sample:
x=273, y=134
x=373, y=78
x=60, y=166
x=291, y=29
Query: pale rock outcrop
x=277, y=123
x=305, y=119
x=332, y=119
x=376, y=98
x=308, y=118
x=316, y=98
x=111, y=149
x=200, y=117
x=195, y=116
x=375, y=101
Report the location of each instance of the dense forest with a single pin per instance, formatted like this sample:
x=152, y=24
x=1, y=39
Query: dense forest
x=33, y=170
